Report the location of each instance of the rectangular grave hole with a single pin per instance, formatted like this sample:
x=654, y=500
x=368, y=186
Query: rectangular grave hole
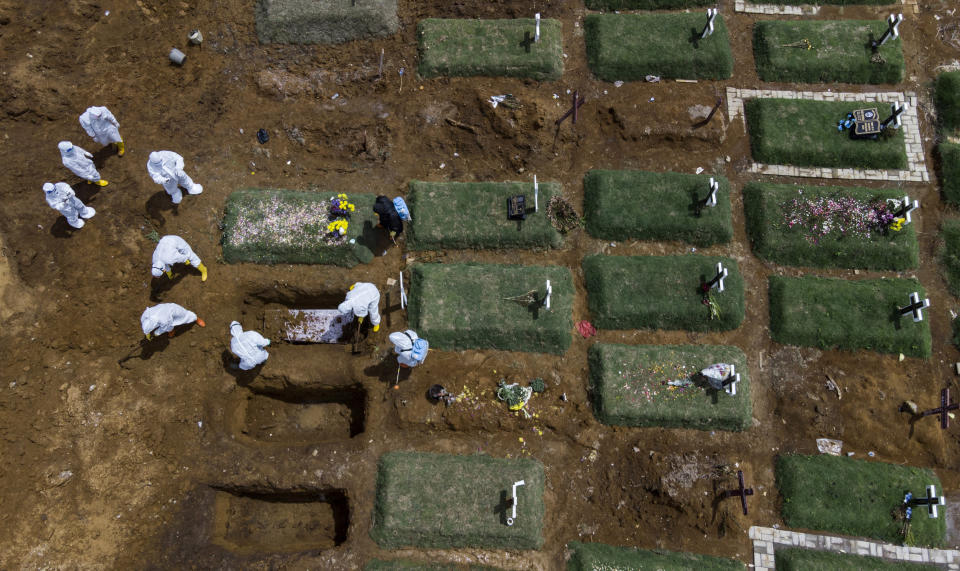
x=305, y=416
x=297, y=315
x=253, y=522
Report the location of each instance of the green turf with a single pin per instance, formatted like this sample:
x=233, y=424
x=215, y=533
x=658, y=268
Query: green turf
x=661, y=292
x=798, y=559
x=833, y=313
x=465, y=306
x=950, y=171
x=629, y=47
x=324, y=21
x=443, y=501
x=629, y=387
x=474, y=215
x=462, y=47
x=839, y=50
x=826, y=227
x=602, y=557
x=946, y=96
x=804, y=133
x=611, y=5
x=950, y=253
x=286, y=227
x=404, y=565
x=625, y=205
x=843, y=495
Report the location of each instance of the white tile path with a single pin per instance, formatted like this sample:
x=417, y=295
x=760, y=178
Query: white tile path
x=802, y=10
x=766, y=540
x=916, y=170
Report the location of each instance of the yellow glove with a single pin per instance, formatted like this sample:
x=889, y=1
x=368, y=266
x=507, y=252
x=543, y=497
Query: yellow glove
x=187, y=262
x=360, y=320
x=351, y=287
x=392, y=234
x=203, y=272
x=169, y=274
x=149, y=336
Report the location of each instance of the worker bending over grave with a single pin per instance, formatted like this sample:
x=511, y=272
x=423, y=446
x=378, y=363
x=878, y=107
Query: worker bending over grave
x=166, y=169
x=100, y=124
x=172, y=250
x=409, y=348
x=61, y=198
x=80, y=163
x=391, y=218
x=248, y=346
x=362, y=299
x=162, y=318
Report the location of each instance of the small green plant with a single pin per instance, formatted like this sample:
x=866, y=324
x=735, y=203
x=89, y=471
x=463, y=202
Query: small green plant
x=538, y=385
x=153, y=235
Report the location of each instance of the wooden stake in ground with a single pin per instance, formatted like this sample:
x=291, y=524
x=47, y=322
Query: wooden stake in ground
x=943, y=410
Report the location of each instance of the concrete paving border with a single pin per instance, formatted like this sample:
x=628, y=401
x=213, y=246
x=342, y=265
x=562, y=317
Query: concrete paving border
x=767, y=539
x=916, y=168
x=804, y=9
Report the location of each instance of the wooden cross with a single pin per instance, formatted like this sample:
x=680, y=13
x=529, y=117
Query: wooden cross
x=895, y=110
x=717, y=280
x=893, y=21
x=536, y=37
x=906, y=207
x=708, y=29
x=931, y=501
x=916, y=306
x=742, y=492
x=711, y=199
x=577, y=102
x=943, y=410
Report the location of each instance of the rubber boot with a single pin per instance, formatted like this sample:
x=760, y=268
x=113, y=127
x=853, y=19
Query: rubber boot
x=120, y=149
x=100, y=182
x=203, y=272
x=169, y=274
x=376, y=328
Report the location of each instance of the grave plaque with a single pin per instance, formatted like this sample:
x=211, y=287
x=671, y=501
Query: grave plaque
x=866, y=122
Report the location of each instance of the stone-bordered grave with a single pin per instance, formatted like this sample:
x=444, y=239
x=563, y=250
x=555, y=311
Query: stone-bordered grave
x=294, y=227
x=639, y=205
x=492, y=306
x=829, y=226
x=493, y=48
x=324, y=21
x=856, y=497
x=664, y=292
x=629, y=47
x=832, y=313
x=594, y=556
x=445, y=501
x=475, y=215
x=661, y=385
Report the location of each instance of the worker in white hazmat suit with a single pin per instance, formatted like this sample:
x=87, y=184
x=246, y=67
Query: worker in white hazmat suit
x=100, y=124
x=79, y=162
x=162, y=318
x=166, y=169
x=409, y=348
x=61, y=198
x=172, y=250
x=362, y=299
x=248, y=345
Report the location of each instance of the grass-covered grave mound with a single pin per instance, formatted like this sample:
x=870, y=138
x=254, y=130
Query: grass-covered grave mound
x=823, y=51
x=950, y=171
x=492, y=48
x=442, y=501
x=829, y=226
x=848, y=496
x=324, y=21
x=833, y=313
x=946, y=97
x=612, y=5
x=950, y=253
x=654, y=385
x=598, y=556
x=474, y=215
x=804, y=133
x=639, y=205
x=799, y=559
x=629, y=47
x=294, y=227
x=662, y=292
x=492, y=306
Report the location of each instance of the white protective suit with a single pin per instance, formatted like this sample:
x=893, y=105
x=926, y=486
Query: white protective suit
x=248, y=345
x=61, y=198
x=100, y=124
x=164, y=317
x=361, y=300
x=78, y=161
x=172, y=250
x=166, y=168
x=403, y=347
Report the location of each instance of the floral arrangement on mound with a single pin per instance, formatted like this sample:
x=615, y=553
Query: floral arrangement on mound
x=292, y=222
x=838, y=217
x=340, y=210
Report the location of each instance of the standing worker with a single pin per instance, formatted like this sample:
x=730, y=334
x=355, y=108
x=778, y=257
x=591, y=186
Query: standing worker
x=363, y=298
x=248, y=345
x=61, y=198
x=162, y=318
x=166, y=169
x=100, y=124
x=79, y=162
x=172, y=250
x=409, y=348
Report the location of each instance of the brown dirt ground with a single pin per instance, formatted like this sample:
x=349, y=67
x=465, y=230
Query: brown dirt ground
x=122, y=455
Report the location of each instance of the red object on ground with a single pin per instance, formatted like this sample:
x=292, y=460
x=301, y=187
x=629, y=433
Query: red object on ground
x=586, y=329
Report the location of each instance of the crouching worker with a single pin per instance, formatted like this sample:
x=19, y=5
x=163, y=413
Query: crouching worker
x=61, y=198
x=363, y=299
x=391, y=217
x=248, y=346
x=162, y=318
x=172, y=250
x=409, y=348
